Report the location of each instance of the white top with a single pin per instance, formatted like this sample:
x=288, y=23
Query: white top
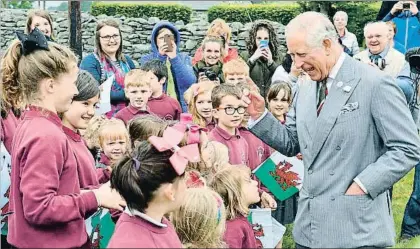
x=143, y=216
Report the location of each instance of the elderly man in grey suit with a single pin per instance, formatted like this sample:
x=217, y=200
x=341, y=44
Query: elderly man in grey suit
x=352, y=125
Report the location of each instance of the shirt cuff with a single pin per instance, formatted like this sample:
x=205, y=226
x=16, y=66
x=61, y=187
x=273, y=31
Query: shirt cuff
x=252, y=123
x=357, y=180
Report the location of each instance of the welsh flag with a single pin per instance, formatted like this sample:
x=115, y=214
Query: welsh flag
x=100, y=228
x=5, y=168
x=282, y=175
x=267, y=231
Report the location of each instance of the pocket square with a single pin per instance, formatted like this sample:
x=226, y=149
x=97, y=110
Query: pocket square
x=349, y=107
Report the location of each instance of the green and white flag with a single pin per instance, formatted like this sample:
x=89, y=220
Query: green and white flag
x=282, y=175
x=267, y=231
x=5, y=169
x=100, y=228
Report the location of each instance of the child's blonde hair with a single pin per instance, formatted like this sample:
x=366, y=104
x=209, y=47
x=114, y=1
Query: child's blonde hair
x=235, y=66
x=21, y=74
x=228, y=182
x=219, y=156
x=220, y=28
x=135, y=78
x=200, y=222
x=91, y=134
x=113, y=129
x=191, y=96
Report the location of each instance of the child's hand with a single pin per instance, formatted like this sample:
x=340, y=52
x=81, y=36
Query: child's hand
x=109, y=198
x=267, y=201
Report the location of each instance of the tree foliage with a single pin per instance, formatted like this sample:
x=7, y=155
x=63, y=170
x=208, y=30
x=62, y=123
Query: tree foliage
x=13, y=4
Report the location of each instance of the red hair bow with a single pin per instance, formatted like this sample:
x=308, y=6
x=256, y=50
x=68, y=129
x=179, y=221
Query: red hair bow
x=182, y=155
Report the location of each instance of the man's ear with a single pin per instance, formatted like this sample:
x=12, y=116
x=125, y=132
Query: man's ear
x=162, y=81
x=327, y=44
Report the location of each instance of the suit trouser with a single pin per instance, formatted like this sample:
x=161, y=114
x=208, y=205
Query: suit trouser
x=411, y=222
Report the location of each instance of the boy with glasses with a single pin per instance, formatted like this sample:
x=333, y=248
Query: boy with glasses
x=229, y=112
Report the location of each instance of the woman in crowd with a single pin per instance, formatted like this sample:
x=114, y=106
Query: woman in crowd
x=262, y=54
x=108, y=61
x=393, y=43
x=218, y=28
x=43, y=21
x=210, y=67
x=348, y=39
x=165, y=47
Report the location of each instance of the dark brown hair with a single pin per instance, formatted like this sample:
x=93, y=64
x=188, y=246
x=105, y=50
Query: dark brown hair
x=276, y=88
x=138, y=185
x=221, y=91
x=112, y=23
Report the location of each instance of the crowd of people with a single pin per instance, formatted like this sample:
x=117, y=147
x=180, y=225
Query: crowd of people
x=170, y=164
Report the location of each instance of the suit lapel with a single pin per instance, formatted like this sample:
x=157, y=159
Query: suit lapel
x=310, y=107
x=338, y=95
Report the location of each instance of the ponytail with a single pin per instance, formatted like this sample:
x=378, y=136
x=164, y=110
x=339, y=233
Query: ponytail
x=12, y=90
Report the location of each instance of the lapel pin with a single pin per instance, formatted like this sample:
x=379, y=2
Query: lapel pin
x=339, y=84
x=347, y=89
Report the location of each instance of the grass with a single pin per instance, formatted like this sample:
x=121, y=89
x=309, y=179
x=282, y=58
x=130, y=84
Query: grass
x=401, y=194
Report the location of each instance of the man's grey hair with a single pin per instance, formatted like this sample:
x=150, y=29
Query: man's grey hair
x=341, y=13
x=379, y=25
x=315, y=25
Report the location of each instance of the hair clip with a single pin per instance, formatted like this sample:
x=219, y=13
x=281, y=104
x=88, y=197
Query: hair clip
x=219, y=207
x=194, y=180
x=182, y=155
x=193, y=130
x=34, y=41
x=136, y=163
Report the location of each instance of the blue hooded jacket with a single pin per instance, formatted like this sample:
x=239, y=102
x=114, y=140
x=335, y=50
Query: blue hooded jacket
x=408, y=29
x=182, y=71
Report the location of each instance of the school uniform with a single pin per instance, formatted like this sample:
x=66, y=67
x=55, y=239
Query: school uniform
x=210, y=125
x=137, y=230
x=8, y=128
x=48, y=208
x=237, y=145
x=128, y=113
x=239, y=233
x=165, y=107
x=102, y=173
x=85, y=163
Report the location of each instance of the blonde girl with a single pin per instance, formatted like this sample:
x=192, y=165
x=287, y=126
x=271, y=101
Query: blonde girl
x=212, y=62
x=200, y=222
x=142, y=127
x=238, y=191
x=198, y=98
x=48, y=206
x=114, y=142
x=91, y=135
x=214, y=156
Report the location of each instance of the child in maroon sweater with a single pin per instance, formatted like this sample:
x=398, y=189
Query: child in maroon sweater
x=153, y=184
x=238, y=191
x=159, y=103
x=227, y=109
x=198, y=98
x=137, y=89
x=48, y=208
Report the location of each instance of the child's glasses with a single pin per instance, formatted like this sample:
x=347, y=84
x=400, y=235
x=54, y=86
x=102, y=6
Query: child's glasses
x=232, y=110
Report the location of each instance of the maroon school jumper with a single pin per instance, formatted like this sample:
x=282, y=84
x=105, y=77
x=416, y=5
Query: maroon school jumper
x=48, y=208
x=165, y=107
x=128, y=113
x=136, y=232
x=239, y=233
x=8, y=128
x=85, y=163
x=210, y=125
x=237, y=145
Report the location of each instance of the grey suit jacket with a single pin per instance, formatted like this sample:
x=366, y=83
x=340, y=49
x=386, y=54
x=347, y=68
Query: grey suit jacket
x=364, y=130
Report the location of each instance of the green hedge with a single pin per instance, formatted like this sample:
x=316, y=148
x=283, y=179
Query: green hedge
x=170, y=12
x=359, y=14
x=245, y=13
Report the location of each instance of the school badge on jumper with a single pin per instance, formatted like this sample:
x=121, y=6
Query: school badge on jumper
x=282, y=175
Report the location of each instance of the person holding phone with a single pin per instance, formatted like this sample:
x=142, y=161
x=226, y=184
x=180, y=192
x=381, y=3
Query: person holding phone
x=262, y=55
x=406, y=16
x=165, y=47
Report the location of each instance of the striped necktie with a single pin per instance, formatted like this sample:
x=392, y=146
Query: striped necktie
x=322, y=95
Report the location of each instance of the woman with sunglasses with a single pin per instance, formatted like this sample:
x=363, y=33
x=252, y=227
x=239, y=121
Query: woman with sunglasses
x=108, y=61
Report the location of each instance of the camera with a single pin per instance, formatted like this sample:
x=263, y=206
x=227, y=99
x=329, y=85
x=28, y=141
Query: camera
x=414, y=62
x=210, y=75
x=406, y=6
x=380, y=62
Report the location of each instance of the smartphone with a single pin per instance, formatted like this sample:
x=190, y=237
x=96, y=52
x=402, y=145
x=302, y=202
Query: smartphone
x=263, y=44
x=406, y=6
x=168, y=40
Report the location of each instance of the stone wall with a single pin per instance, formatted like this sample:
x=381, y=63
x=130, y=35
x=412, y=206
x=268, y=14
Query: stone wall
x=136, y=32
